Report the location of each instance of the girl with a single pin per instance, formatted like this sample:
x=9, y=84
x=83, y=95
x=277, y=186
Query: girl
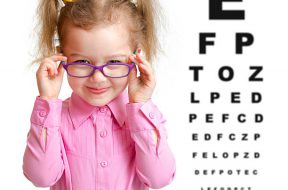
x=103, y=137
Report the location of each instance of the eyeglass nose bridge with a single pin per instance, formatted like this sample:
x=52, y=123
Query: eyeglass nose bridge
x=95, y=67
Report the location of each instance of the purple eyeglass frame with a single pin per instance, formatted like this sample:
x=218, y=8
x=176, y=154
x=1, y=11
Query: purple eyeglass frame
x=100, y=68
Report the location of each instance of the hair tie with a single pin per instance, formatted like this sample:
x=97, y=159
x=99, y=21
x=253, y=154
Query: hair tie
x=69, y=1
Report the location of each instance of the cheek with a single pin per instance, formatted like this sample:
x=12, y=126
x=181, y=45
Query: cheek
x=120, y=83
x=75, y=82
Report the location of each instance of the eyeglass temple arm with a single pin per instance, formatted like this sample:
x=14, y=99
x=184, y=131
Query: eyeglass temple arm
x=63, y=62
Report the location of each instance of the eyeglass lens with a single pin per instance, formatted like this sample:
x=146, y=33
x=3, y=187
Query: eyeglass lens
x=80, y=70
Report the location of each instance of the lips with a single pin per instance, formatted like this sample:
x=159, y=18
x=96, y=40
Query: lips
x=97, y=90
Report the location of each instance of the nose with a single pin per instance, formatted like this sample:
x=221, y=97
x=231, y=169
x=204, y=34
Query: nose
x=98, y=77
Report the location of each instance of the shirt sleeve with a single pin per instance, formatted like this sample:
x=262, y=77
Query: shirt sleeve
x=42, y=161
x=155, y=163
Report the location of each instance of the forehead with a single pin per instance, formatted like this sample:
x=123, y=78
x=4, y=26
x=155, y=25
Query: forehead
x=101, y=39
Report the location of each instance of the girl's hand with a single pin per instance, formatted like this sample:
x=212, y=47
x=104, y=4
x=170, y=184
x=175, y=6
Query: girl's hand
x=50, y=76
x=140, y=88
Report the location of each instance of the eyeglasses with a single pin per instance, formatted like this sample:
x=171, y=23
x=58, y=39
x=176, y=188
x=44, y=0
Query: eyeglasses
x=110, y=69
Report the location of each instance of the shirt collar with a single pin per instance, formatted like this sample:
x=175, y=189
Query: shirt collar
x=80, y=110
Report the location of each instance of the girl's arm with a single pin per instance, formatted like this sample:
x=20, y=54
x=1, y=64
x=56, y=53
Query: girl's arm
x=42, y=162
x=43, y=159
x=155, y=163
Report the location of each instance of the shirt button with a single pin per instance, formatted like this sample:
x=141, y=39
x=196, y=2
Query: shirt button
x=103, y=133
x=42, y=113
x=103, y=109
x=104, y=164
x=151, y=115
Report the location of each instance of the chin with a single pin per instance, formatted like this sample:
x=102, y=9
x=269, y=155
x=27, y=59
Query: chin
x=99, y=99
x=99, y=102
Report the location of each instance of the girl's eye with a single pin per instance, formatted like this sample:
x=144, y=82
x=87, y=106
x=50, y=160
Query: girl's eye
x=114, y=61
x=82, y=61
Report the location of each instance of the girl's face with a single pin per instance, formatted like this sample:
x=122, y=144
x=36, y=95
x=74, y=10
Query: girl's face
x=99, y=45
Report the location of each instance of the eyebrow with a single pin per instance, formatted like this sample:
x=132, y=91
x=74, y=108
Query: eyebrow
x=107, y=57
x=119, y=56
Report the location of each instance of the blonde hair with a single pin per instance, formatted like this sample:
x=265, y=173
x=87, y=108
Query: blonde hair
x=141, y=17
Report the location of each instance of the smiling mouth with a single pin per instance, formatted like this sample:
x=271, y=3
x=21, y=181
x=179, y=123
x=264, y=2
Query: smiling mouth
x=97, y=90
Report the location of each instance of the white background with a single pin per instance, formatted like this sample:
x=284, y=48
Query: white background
x=265, y=19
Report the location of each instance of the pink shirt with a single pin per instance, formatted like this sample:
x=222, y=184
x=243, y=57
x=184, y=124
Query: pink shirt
x=97, y=148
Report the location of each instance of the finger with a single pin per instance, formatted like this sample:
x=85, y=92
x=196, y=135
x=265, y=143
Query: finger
x=130, y=58
x=146, y=74
x=145, y=69
x=58, y=57
x=60, y=70
x=142, y=60
x=52, y=68
x=133, y=73
x=48, y=68
x=55, y=59
x=55, y=66
x=144, y=66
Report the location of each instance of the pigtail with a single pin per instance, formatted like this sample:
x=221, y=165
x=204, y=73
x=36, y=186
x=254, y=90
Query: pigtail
x=146, y=9
x=142, y=17
x=47, y=13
